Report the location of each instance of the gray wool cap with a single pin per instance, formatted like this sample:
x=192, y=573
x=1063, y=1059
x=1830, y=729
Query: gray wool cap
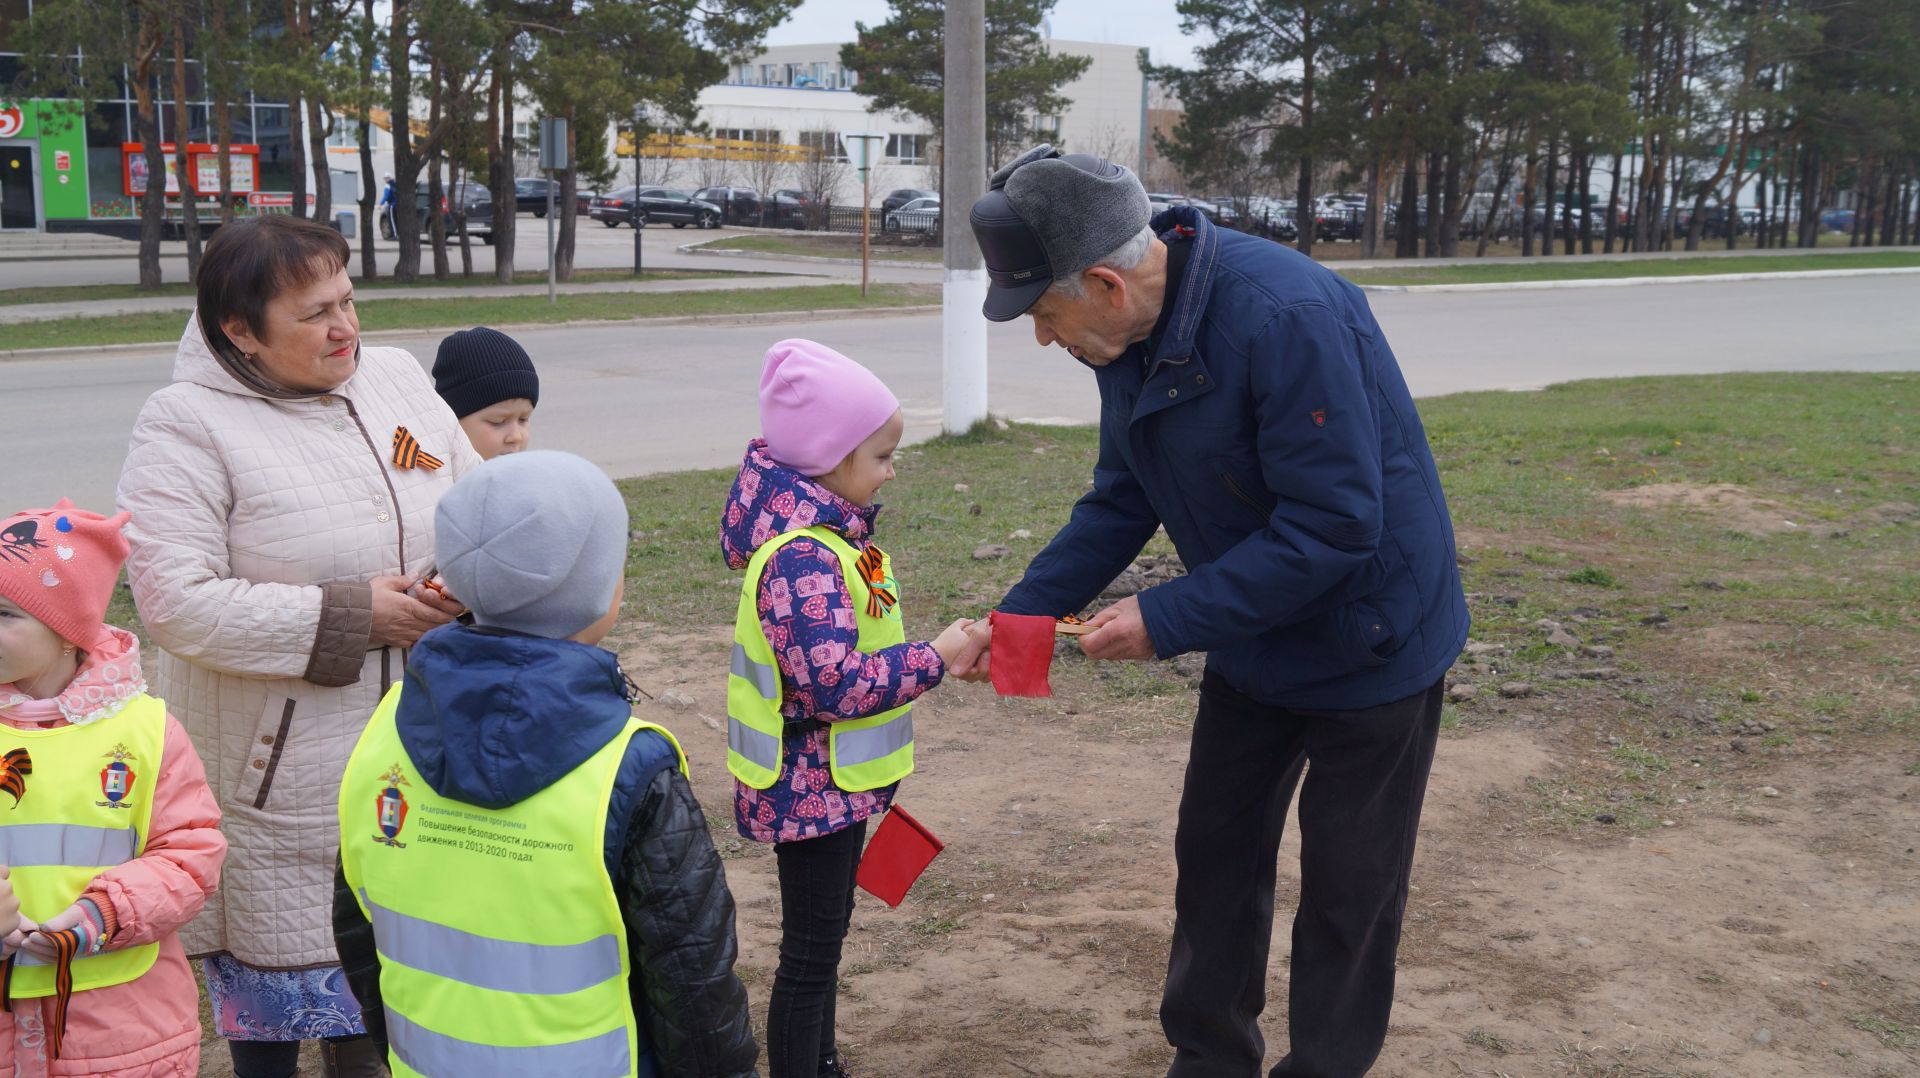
x=535, y=542
x=1046, y=216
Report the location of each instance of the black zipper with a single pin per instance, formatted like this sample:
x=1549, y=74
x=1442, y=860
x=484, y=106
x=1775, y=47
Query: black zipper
x=1226, y=479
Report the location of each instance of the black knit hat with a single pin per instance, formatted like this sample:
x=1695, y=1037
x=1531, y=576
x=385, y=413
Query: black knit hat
x=478, y=368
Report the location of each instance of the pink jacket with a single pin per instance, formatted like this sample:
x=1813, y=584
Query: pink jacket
x=150, y=1026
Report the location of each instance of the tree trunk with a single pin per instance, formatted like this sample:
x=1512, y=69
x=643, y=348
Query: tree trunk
x=1406, y=241
x=153, y=201
x=1613, y=207
x=189, y=205
x=319, y=123
x=1812, y=169
x=406, y=169
x=1527, y=201
x=1573, y=178
x=1504, y=177
x=1430, y=238
x=369, y=194
x=1303, y=214
x=1552, y=222
x=222, y=90
x=1309, y=226
x=1370, y=229
x=568, y=207
x=1586, y=200
x=438, y=206
x=460, y=188
x=500, y=159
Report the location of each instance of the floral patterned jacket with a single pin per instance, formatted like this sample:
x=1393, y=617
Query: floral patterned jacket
x=808, y=616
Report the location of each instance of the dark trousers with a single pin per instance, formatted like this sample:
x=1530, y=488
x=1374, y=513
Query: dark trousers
x=277, y=1059
x=1366, y=774
x=816, y=906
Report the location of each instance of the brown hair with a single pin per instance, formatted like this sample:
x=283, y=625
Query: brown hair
x=250, y=261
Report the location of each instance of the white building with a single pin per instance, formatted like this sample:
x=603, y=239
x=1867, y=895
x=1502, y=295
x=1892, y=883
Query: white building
x=801, y=96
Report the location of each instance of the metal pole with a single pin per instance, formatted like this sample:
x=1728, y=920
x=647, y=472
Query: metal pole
x=964, y=172
x=866, y=218
x=550, y=278
x=636, y=200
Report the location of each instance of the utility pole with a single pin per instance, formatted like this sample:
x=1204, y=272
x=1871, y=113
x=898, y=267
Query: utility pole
x=963, y=379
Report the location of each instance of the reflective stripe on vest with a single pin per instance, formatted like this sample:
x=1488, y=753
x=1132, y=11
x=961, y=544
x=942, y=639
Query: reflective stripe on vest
x=85, y=806
x=471, y=984
x=532, y=969
x=436, y=1054
x=863, y=754
x=763, y=676
x=50, y=844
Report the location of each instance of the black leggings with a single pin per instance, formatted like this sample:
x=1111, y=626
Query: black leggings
x=816, y=906
x=271, y=1059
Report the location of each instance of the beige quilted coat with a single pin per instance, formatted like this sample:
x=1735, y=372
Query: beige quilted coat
x=258, y=518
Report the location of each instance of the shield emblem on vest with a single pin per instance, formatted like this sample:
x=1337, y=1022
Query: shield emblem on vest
x=116, y=780
x=393, y=812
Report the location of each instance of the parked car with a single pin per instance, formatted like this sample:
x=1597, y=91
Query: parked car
x=530, y=196
x=467, y=205
x=920, y=215
x=1338, y=221
x=1837, y=220
x=738, y=205
x=897, y=199
x=787, y=208
x=640, y=206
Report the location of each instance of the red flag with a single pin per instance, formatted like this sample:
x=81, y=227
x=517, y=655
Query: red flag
x=901, y=849
x=1022, y=652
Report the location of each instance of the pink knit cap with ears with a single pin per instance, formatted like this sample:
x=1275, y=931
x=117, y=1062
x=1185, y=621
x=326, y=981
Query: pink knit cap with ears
x=816, y=405
x=60, y=566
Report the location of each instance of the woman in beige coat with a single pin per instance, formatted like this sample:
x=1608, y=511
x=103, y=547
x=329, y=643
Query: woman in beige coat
x=282, y=492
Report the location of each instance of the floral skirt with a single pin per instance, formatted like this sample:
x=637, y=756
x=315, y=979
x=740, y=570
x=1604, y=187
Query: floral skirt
x=251, y=1004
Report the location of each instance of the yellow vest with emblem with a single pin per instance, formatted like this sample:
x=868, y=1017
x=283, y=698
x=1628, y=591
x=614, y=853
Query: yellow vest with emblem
x=864, y=754
x=502, y=949
x=85, y=805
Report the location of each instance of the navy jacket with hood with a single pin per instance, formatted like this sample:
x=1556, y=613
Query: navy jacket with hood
x=1268, y=428
x=491, y=718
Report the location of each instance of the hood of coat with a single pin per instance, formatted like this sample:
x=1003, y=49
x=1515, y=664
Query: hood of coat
x=199, y=362
x=769, y=499
x=492, y=718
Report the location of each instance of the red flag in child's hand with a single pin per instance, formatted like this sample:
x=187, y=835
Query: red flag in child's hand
x=901, y=849
x=1022, y=652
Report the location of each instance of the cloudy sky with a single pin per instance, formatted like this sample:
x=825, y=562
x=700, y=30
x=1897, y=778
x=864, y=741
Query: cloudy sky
x=1154, y=25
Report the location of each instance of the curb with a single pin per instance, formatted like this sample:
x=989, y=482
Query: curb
x=700, y=248
x=111, y=351
x=1630, y=282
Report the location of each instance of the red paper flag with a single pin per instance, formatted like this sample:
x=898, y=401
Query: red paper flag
x=901, y=849
x=1022, y=652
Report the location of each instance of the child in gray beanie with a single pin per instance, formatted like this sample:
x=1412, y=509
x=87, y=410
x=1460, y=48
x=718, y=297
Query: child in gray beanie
x=507, y=772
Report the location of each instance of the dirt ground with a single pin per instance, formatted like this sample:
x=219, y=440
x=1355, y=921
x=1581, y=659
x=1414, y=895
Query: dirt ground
x=1771, y=930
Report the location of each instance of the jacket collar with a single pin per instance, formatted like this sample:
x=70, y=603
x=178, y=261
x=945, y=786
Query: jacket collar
x=769, y=499
x=1191, y=292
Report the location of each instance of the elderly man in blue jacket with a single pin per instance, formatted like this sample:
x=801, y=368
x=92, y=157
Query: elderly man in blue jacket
x=1249, y=405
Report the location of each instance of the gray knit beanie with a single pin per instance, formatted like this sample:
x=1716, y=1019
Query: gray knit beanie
x=534, y=542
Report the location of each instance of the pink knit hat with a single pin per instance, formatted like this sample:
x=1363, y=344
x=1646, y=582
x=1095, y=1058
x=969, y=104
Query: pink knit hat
x=816, y=405
x=60, y=565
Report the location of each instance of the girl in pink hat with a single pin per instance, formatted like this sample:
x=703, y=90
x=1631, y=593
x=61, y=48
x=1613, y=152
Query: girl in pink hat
x=818, y=701
x=110, y=835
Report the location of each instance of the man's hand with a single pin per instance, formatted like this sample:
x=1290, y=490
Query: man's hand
x=980, y=633
x=400, y=619
x=1118, y=633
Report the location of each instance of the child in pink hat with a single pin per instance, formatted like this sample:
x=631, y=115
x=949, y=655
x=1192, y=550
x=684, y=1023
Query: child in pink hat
x=110, y=836
x=823, y=675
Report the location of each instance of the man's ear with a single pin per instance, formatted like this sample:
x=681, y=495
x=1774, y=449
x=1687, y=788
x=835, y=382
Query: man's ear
x=1112, y=286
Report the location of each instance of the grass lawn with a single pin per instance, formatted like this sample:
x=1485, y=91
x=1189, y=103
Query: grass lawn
x=827, y=246
x=84, y=292
x=385, y=314
x=1559, y=268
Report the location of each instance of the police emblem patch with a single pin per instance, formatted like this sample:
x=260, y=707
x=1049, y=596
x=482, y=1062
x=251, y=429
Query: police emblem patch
x=117, y=779
x=391, y=808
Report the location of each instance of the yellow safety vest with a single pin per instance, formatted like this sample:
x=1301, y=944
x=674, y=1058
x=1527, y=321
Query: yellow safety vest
x=865, y=754
x=502, y=949
x=85, y=804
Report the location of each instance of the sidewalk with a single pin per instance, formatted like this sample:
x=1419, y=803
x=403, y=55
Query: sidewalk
x=106, y=308
x=1598, y=258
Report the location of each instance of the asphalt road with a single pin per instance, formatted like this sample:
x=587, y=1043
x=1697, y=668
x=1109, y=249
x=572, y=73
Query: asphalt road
x=644, y=399
x=596, y=247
